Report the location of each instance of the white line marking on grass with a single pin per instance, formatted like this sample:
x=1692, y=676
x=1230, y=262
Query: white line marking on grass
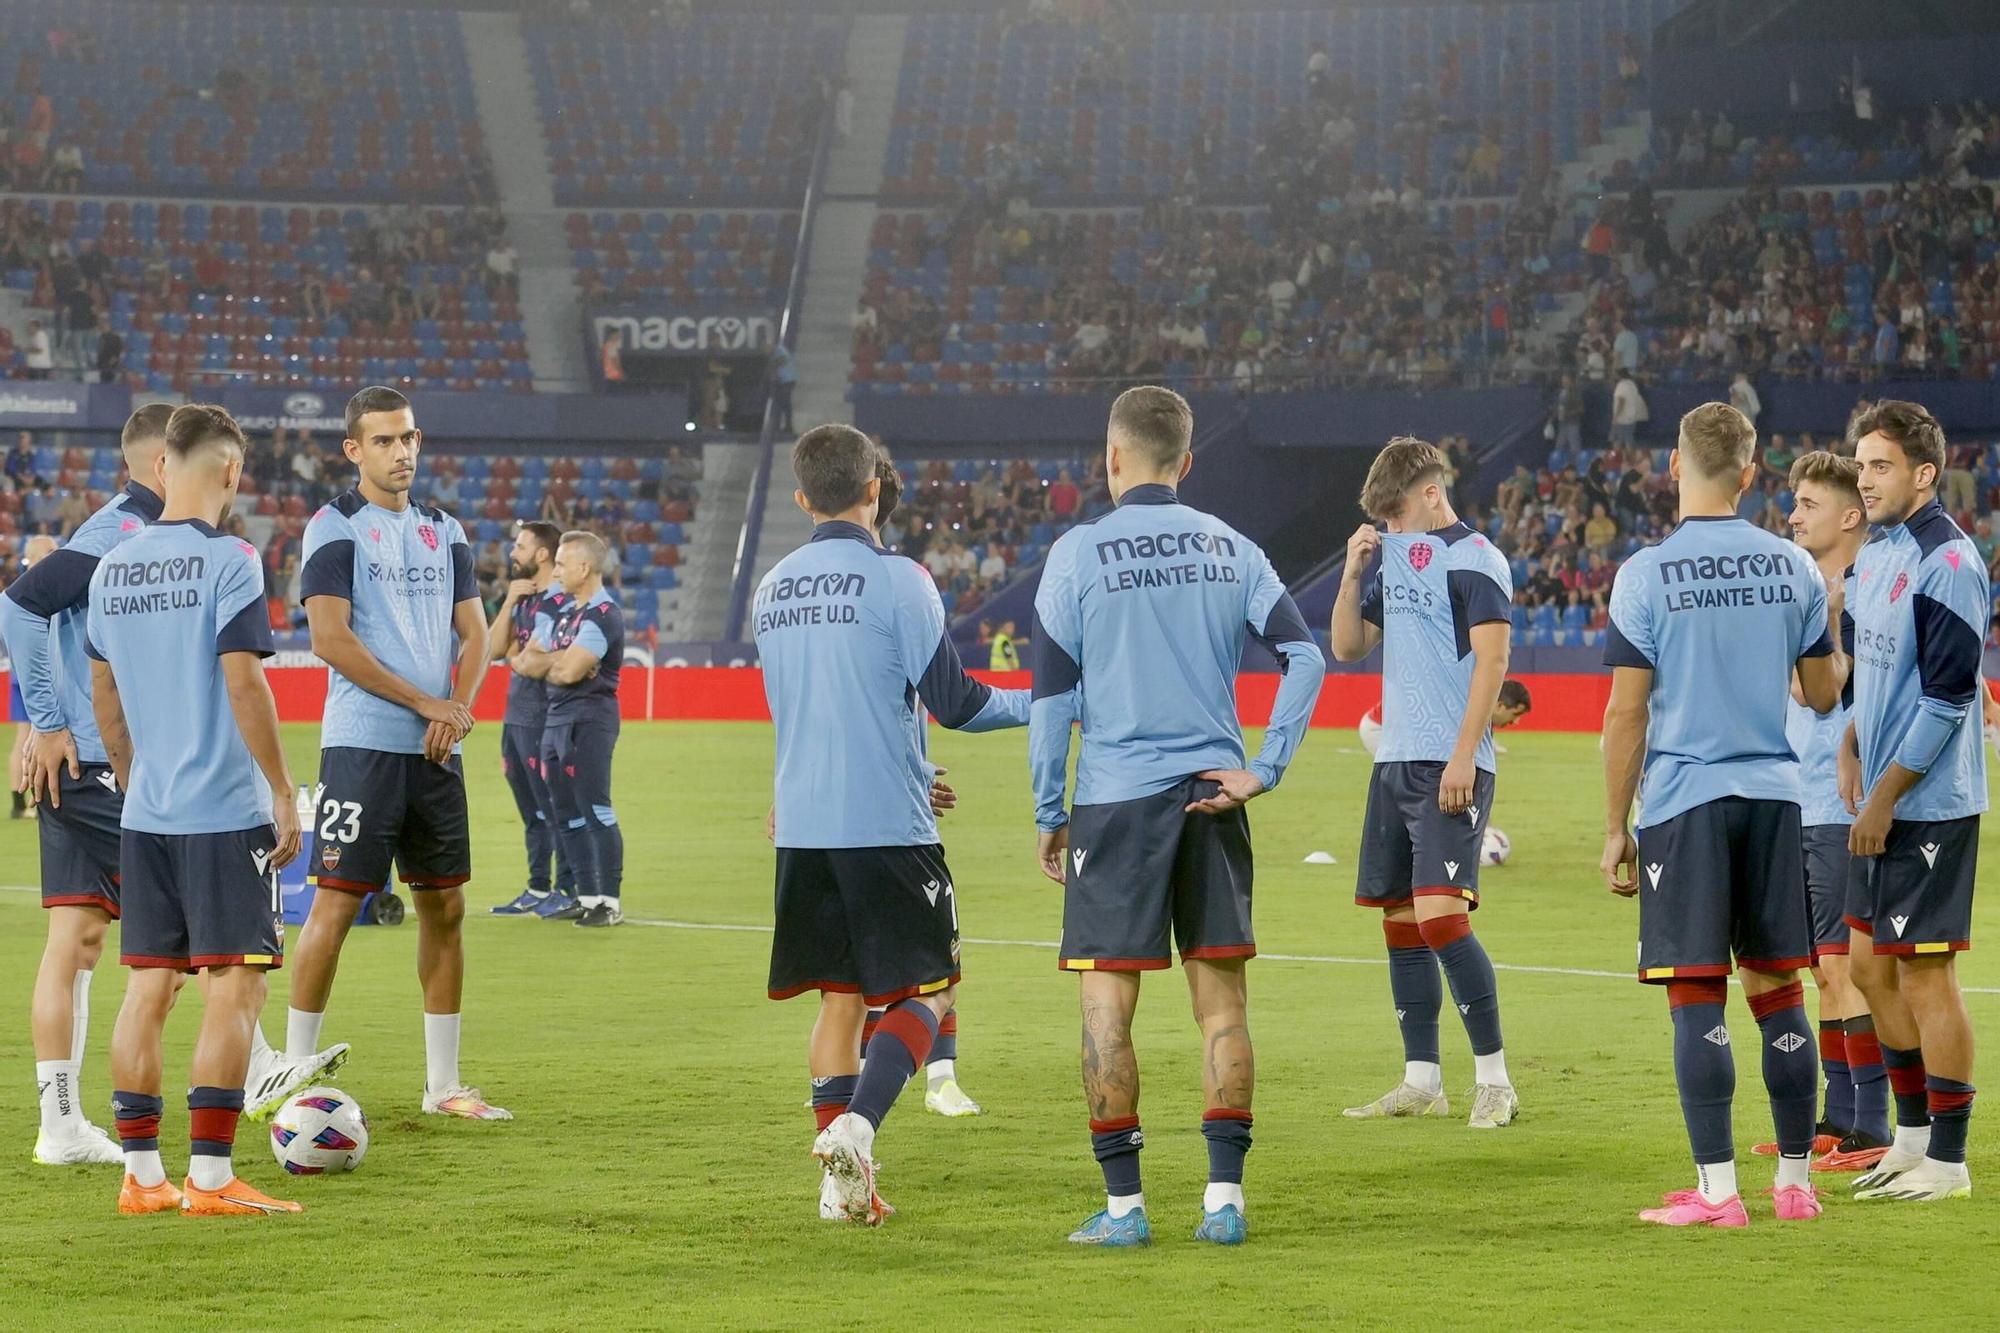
x=1324, y=959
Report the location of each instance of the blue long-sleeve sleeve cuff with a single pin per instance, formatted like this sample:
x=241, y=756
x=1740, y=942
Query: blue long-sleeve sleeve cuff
x=1291, y=711
x=1930, y=731
x=27, y=635
x=1050, y=720
x=1002, y=709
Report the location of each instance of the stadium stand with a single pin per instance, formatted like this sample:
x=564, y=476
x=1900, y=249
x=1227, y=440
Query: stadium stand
x=975, y=523
x=1111, y=109
x=270, y=295
x=340, y=104
x=685, y=257
x=641, y=113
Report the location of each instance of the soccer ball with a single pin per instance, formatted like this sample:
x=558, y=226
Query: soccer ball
x=1370, y=728
x=320, y=1130
x=1494, y=848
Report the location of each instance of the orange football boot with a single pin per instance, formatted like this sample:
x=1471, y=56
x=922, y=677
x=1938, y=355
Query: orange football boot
x=235, y=1199
x=134, y=1198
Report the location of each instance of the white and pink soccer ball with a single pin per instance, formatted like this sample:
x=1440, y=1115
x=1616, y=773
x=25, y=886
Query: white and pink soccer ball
x=318, y=1131
x=1495, y=848
x=1370, y=728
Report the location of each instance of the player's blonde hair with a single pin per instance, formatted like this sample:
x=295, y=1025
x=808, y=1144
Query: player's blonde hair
x=593, y=546
x=1405, y=462
x=1717, y=441
x=1840, y=475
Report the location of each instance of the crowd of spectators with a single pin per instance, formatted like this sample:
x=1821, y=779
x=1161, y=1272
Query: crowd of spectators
x=290, y=473
x=1903, y=285
x=390, y=280
x=1958, y=141
x=973, y=536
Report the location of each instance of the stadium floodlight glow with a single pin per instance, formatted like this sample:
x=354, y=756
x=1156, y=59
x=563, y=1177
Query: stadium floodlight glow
x=690, y=427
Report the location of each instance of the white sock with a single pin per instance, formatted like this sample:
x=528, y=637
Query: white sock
x=145, y=1167
x=57, y=1081
x=937, y=1071
x=440, y=1051
x=209, y=1172
x=1120, y=1204
x=1491, y=1069
x=260, y=1046
x=1219, y=1193
x=1913, y=1139
x=1716, y=1180
x=1424, y=1075
x=1792, y=1171
x=302, y=1033
x=79, y=1013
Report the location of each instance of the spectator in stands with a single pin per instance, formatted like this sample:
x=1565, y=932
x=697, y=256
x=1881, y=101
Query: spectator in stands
x=41, y=355
x=611, y=359
x=110, y=356
x=503, y=265
x=993, y=568
x=71, y=509
x=1625, y=349
x=784, y=378
x=1743, y=397
x=21, y=463
x=1064, y=499
x=66, y=169
x=1628, y=411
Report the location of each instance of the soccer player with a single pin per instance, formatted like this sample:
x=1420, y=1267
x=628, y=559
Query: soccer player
x=1830, y=524
x=1707, y=628
x=177, y=631
x=70, y=777
x=1913, y=771
x=1139, y=629
x=386, y=584
x=532, y=565
x=577, y=649
x=32, y=551
x=849, y=636
x=1439, y=606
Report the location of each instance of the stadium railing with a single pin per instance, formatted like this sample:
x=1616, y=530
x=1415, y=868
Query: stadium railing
x=752, y=531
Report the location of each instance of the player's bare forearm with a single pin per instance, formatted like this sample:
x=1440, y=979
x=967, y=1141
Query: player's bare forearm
x=1352, y=638
x=500, y=634
x=256, y=713
x=110, y=712
x=576, y=665
x=1892, y=787
x=1491, y=652
x=534, y=662
x=1625, y=719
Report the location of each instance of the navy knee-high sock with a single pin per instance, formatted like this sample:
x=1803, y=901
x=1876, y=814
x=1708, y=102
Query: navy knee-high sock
x=1416, y=988
x=1871, y=1080
x=1470, y=972
x=1951, y=1116
x=1789, y=1073
x=1704, y=1067
x=1906, y=1081
x=901, y=1041
x=607, y=850
x=1839, y=1077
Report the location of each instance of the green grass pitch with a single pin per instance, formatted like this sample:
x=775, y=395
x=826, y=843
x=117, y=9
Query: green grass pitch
x=658, y=1176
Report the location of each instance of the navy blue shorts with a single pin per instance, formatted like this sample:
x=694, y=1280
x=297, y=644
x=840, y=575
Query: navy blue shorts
x=879, y=922
x=373, y=808
x=198, y=900
x=1720, y=886
x=1831, y=874
x=1409, y=847
x=1916, y=897
x=81, y=841
x=1138, y=870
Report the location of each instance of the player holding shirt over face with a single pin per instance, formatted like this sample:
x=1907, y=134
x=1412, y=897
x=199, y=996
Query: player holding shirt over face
x=1913, y=771
x=77, y=795
x=386, y=585
x=177, y=631
x=577, y=649
x=1718, y=865
x=851, y=639
x=532, y=567
x=1439, y=605
x=1140, y=624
